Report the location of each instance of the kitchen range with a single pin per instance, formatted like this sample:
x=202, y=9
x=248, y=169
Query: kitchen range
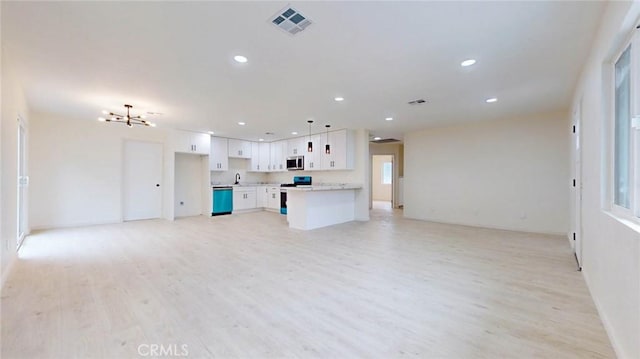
x=297, y=182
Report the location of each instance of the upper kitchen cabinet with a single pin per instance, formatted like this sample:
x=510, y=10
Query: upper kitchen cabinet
x=296, y=146
x=255, y=157
x=342, y=150
x=313, y=159
x=278, y=156
x=260, y=156
x=219, y=155
x=191, y=142
x=239, y=148
x=265, y=156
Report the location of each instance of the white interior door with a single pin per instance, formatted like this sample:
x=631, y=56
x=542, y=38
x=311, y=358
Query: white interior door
x=142, y=180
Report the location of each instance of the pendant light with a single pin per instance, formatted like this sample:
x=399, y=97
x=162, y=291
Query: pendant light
x=327, y=147
x=310, y=143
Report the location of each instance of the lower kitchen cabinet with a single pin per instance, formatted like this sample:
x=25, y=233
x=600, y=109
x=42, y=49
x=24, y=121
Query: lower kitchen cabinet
x=262, y=196
x=273, y=200
x=244, y=198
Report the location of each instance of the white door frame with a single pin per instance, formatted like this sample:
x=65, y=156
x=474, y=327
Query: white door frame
x=577, y=184
x=23, y=183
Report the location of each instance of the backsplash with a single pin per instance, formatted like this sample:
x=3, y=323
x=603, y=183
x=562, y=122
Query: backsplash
x=238, y=165
x=318, y=177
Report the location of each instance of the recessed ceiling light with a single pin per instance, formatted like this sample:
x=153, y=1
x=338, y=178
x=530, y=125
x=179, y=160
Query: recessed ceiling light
x=491, y=100
x=241, y=123
x=241, y=59
x=377, y=138
x=152, y=125
x=294, y=133
x=105, y=112
x=339, y=99
x=261, y=139
x=211, y=132
x=101, y=119
x=389, y=119
x=466, y=63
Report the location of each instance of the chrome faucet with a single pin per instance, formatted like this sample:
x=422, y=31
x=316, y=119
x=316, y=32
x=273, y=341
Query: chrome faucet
x=237, y=178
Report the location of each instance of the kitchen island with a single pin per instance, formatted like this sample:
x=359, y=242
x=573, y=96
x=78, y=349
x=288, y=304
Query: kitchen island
x=311, y=207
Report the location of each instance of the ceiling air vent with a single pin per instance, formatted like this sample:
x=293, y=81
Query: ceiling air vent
x=385, y=140
x=290, y=20
x=417, y=102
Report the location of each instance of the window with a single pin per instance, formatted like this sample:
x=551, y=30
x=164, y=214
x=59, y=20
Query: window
x=386, y=173
x=626, y=132
x=622, y=153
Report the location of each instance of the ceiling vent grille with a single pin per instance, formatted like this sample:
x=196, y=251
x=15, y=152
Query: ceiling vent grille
x=385, y=140
x=417, y=102
x=290, y=20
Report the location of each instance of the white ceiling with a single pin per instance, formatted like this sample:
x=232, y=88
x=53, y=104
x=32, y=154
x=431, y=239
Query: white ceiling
x=77, y=58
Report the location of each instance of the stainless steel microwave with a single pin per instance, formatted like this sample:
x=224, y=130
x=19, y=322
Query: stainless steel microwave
x=295, y=163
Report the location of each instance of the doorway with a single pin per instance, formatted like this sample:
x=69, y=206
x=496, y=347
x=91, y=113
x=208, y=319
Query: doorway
x=188, y=185
x=382, y=182
x=23, y=183
x=142, y=177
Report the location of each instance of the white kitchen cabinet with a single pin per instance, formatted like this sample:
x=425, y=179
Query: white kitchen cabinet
x=260, y=156
x=296, y=146
x=262, y=196
x=239, y=148
x=342, y=144
x=255, y=157
x=219, y=155
x=265, y=156
x=273, y=201
x=313, y=160
x=278, y=156
x=244, y=198
x=191, y=142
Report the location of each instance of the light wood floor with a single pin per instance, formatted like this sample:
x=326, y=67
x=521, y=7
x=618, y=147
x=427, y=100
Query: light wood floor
x=248, y=286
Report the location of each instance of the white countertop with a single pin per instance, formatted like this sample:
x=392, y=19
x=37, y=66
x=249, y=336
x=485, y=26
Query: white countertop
x=246, y=185
x=327, y=187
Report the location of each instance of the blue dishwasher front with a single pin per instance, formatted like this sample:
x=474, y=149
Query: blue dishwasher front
x=222, y=200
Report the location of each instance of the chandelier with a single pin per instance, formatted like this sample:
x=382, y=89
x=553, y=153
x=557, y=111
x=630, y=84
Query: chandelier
x=126, y=119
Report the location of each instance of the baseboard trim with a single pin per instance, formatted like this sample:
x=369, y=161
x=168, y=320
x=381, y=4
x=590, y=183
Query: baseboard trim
x=500, y=228
x=71, y=225
x=7, y=270
x=605, y=322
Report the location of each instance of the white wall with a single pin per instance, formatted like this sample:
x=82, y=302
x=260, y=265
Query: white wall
x=610, y=249
x=379, y=190
x=76, y=170
x=14, y=104
x=188, y=185
x=509, y=174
